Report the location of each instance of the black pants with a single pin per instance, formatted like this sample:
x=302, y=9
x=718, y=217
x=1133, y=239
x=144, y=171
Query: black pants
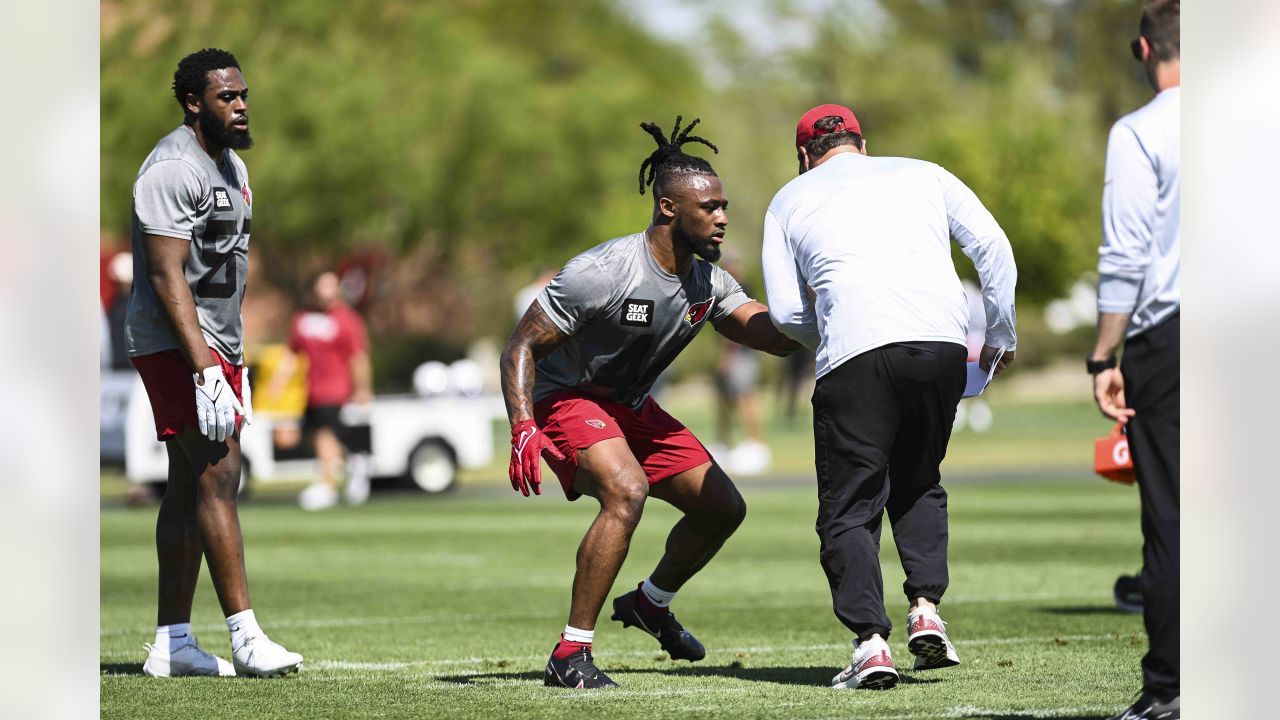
x=1151, y=372
x=881, y=423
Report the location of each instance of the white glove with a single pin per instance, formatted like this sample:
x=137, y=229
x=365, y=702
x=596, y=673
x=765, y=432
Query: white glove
x=216, y=404
x=247, y=394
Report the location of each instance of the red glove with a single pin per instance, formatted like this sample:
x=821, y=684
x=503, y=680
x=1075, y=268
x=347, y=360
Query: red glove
x=527, y=445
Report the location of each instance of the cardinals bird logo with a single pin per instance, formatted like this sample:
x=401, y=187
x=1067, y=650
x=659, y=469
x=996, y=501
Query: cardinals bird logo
x=698, y=312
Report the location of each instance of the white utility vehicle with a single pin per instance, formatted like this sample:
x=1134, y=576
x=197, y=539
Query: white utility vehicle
x=420, y=440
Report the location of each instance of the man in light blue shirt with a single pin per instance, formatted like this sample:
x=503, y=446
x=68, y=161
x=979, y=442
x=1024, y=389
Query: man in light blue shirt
x=1138, y=302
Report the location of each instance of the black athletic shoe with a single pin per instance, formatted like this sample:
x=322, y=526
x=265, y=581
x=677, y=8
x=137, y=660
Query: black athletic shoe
x=1128, y=593
x=575, y=671
x=1148, y=708
x=673, y=638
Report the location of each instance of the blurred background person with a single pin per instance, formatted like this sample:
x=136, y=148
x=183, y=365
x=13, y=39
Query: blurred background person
x=333, y=338
x=120, y=271
x=736, y=376
x=115, y=356
x=1139, y=303
x=797, y=368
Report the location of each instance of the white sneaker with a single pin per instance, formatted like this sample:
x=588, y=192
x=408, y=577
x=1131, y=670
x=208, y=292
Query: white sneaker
x=190, y=659
x=261, y=657
x=318, y=497
x=356, y=489
x=871, y=668
x=927, y=640
x=751, y=458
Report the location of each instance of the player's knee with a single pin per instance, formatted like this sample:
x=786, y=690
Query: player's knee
x=220, y=482
x=729, y=514
x=628, y=490
x=736, y=512
x=172, y=530
x=179, y=497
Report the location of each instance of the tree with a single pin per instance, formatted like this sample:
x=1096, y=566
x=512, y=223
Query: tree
x=497, y=134
x=1013, y=96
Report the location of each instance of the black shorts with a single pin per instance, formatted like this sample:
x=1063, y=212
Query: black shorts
x=323, y=416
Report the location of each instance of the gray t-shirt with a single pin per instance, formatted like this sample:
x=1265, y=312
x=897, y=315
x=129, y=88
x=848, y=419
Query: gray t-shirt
x=628, y=319
x=182, y=193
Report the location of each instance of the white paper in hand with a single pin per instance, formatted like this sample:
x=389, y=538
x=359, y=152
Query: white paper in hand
x=978, y=378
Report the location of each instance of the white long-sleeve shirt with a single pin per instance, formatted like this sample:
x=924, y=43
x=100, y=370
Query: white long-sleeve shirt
x=871, y=236
x=1140, y=258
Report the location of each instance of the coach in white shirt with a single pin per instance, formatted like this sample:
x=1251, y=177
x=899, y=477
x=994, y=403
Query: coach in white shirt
x=870, y=237
x=1138, y=301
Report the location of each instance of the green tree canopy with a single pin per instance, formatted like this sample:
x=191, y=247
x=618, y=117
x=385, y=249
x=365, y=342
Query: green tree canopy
x=502, y=135
x=505, y=129
x=1013, y=96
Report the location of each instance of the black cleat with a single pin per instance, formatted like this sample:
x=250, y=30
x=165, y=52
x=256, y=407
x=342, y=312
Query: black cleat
x=577, y=671
x=1148, y=708
x=1128, y=593
x=673, y=638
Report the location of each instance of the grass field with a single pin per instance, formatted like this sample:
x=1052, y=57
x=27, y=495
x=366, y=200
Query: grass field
x=448, y=607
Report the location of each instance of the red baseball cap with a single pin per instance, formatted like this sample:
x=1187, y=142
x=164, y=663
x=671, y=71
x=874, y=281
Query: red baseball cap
x=805, y=131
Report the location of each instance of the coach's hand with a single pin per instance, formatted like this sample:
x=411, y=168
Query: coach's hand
x=216, y=404
x=527, y=445
x=1108, y=392
x=989, y=353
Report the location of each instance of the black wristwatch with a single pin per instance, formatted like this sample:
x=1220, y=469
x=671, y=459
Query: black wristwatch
x=1096, y=366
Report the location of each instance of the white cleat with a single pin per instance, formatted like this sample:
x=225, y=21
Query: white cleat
x=927, y=640
x=871, y=668
x=186, y=661
x=318, y=496
x=356, y=489
x=261, y=657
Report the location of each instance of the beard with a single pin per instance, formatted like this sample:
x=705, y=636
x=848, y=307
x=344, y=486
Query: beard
x=704, y=248
x=220, y=135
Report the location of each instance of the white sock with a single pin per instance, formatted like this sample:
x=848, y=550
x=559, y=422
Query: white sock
x=243, y=625
x=172, y=637
x=573, y=634
x=656, y=595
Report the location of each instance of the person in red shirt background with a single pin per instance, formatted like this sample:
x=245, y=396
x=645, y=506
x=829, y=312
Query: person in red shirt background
x=333, y=338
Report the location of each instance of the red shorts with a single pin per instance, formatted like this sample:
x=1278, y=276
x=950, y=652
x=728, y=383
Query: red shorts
x=574, y=421
x=171, y=387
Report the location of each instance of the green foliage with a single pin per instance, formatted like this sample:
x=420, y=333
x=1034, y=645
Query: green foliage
x=1012, y=96
x=500, y=136
x=508, y=126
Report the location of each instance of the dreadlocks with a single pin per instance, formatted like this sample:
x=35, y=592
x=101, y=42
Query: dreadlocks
x=668, y=162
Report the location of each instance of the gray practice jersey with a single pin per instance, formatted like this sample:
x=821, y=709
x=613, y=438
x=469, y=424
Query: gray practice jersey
x=627, y=319
x=183, y=194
